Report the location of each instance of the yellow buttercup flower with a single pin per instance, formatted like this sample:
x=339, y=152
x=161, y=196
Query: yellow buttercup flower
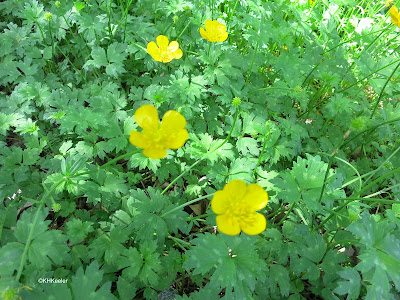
x=165, y=51
x=215, y=31
x=394, y=14
x=236, y=207
x=155, y=137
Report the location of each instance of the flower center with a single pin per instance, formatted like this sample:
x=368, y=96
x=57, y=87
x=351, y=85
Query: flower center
x=239, y=212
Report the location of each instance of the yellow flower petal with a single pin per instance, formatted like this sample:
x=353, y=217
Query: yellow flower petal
x=215, y=31
x=220, y=27
x=220, y=202
x=254, y=225
x=236, y=189
x=155, y=152
x=395, y=16
x=153, y=50
x=139, y=140
x=146, y=117
x=209, y=25
x=228, y=225
x=178, y=54
x=172, y=120
x=223, y=37
x=173, y=46
x=176, y=140
x=255, y=198
x=203, y=33
x=162, y=42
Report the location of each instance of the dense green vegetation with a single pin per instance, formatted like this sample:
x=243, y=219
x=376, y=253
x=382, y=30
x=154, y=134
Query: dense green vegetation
x=298, y=99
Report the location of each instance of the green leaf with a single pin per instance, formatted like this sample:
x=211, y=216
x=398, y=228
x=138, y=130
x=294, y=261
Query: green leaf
x=10, y=257
x=241, y=168
x=380, y=257
x=281, y=277
x=148, y=210
x=351, y=285
x=111, y=246
x=247, y=145
x=77, y=230
x=79, y=5
x=84, y=284
x=152, y=264
x=126, y=289
x=232, y=262
x=131, y=263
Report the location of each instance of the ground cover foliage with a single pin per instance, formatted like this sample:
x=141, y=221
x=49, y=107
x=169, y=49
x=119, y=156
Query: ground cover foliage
x=302, y=98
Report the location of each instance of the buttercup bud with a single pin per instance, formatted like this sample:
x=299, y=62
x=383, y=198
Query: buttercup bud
x=10, y=294
x=236, y=101
x=57, y=3
x=56, y=207
x=48, y=16
x=358, y=123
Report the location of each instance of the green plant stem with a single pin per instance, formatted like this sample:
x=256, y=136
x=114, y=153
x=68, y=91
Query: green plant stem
x=228, y=22
x=359, y=177
x=255, y=52
x=271, y=88
x=376, y=200
x=344, y=143
x=209, y=48
x=382, y=164
x=108, y=11
x=48, y=144
x=383, y=89
x=332, y=214
x=188, y=23
x=287, y=214
x=52, y=42
x=185, y=204
x=88, y=50
x=201, y=216
x=110, y=162
x=205, y=155
x=369, y=75
x=268, y=131
x=29, y=239
x=181, y=243
x=377, y=180
x=125, y=17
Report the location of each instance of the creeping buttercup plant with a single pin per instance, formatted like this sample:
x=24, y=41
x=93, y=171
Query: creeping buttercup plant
x=273, y=174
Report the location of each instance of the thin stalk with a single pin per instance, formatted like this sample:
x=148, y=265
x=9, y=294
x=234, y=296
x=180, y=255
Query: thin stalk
x=377, y=180
x=255, y=51
x=48, y=143
x=29, y=239
x=52, y=42
x=110, y=162
x=331, y=215
x=205, y=155
x=382, y=164
x=188, y=23
x=383, y=89
x=231, y=14
x=287, y=214
x=340, y=147
x=186, y=204
x=362, y=79
x=268, y=131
